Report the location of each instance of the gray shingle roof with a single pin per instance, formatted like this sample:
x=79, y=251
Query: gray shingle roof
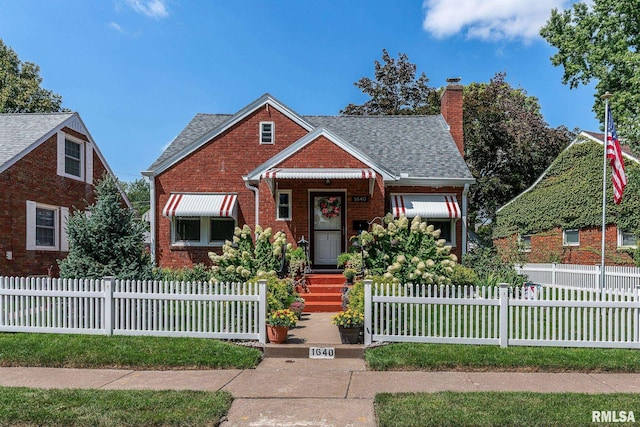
x=19, y=131
x=420, y=146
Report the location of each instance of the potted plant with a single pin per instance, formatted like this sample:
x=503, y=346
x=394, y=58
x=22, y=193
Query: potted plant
x=350, y=273
x=278, y=324
x=350, y=323
x=297, y=306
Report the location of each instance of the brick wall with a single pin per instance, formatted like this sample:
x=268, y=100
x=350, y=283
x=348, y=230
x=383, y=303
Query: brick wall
x=547, y=247
x=34, y=177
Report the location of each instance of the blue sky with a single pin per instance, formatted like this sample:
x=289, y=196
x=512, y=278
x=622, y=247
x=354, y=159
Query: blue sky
x=138, y=70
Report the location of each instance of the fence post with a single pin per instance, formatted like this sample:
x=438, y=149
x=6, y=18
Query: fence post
x=637, y=340
x=368, y=333
x=553, y=274
x=108, y=285
x=504, y=315
x=262, y=310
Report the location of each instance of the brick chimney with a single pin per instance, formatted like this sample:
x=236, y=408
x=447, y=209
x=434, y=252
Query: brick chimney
x=451, y=109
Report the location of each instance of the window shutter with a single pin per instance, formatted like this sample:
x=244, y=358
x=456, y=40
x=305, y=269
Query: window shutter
x=64, y=236
x=31, y=225
x=60, y=153
x=89, y=163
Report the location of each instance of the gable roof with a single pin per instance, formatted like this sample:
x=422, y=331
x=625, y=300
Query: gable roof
x=404, y=147
x=20, y=133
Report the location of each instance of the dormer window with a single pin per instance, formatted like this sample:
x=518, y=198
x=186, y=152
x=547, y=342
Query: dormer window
x=75, y=158
x=267, y=132
x=72, y=158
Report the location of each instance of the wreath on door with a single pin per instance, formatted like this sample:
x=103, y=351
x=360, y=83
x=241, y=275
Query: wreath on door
x=329, y=206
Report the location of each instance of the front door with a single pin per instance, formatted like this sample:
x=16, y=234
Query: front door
x=327, y=232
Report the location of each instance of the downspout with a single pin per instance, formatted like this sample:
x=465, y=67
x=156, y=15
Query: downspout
x=152, y=214
x=464, y=219
x=256, y=193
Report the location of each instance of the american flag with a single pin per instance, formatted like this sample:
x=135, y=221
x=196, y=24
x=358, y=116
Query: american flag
x=614, y=154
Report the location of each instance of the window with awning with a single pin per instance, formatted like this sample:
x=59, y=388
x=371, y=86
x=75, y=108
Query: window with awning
x=197, y=205
x=200, y=219
x=425, y=205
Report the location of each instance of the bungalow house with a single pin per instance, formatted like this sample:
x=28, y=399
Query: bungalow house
x=559, y=218
x=48, y=165
x=323, y=178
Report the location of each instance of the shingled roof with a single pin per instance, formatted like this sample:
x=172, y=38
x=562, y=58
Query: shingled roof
x=418, y=146
x=18, y=132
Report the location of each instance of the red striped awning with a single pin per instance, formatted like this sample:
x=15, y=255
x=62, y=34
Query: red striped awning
x=319, y=173
x=199, y=204
x=425, y=206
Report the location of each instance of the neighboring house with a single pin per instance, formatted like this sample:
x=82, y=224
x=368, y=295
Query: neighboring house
x=48, y=165
x=559, y=218
x=270, y=166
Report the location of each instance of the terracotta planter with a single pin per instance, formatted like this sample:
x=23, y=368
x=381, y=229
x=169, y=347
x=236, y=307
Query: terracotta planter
x=277, y=334
x=350, y=335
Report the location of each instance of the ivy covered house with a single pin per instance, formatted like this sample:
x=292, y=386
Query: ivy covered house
x=559, y=218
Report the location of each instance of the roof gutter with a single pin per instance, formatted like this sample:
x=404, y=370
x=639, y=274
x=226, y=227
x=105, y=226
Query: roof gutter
x=433, y=182
x=465, y=224
x=256, y=194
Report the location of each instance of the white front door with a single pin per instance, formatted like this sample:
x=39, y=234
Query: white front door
x=327, y=228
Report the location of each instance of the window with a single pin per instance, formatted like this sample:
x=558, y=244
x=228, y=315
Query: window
x=627, y=239
x=187, y=229
x=525, y=243
x=221, y=229
x=445, y=227
x=283, y=204
x=72, y=158
x=45, y=227
x=202, y=231
x=267, y=132
x=571, y=237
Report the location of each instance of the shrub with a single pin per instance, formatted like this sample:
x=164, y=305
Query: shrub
x=195, y=274
x=491, y=269
x=463, y=276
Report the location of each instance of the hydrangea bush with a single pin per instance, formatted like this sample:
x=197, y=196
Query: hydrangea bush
x=408, y=251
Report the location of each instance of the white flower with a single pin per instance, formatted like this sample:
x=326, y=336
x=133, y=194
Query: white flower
x=401, y=259
x=435, y=234
x=415, y=260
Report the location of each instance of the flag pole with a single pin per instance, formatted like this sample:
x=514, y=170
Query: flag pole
x=606, y=97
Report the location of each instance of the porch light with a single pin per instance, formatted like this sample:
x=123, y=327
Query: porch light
x=304, y=244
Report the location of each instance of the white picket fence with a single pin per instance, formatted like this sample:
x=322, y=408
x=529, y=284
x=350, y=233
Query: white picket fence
x=115, y=307
x=582, y=276
x=526, y=316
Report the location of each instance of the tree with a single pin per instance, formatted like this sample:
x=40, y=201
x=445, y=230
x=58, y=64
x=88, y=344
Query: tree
x=20, y=90
x=601, y=42
x=107, y=242
x=395, y=90
x=138, y=192
x=508, y=145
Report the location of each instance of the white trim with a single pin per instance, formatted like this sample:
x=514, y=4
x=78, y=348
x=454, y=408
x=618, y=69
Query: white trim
x=621, y=239
x=272, y=133
x=31, y=208
x=62, y=156
x=289, y=205
x=64, y=232
x=521, y=244
x=564, y=237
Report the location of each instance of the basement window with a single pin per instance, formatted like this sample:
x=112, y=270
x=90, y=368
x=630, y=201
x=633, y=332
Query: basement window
x=571, y=237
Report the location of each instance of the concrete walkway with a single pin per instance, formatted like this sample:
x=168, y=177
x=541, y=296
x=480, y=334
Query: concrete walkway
x=306, y=392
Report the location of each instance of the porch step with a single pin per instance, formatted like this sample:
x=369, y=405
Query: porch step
x=325, y=293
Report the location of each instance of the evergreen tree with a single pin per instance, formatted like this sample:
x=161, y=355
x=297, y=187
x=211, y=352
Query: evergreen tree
x=106, y=241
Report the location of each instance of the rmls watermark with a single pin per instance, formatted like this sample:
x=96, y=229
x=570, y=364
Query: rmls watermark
x=612, y=417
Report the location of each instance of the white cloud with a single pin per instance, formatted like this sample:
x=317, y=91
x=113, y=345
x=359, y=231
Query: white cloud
x=151, y=8
x=488, y=19
x=117, y=27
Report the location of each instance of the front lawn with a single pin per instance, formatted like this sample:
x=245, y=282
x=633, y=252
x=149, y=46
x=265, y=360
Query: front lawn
x=123, y=352
x=446, y=357
x=25, y=406
x=500, y=408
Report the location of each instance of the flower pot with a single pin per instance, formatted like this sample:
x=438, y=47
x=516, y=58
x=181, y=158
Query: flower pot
x=277, y=334
x=350, y=335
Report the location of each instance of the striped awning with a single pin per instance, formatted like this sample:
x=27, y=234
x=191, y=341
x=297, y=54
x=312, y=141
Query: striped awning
x=319, y=173
x=199, y=204
x=425, y=206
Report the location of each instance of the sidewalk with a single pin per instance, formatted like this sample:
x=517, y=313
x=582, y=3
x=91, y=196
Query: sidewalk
x=289, y=392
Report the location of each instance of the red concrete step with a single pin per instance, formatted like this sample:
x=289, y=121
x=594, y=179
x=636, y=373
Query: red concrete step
x=323, y=307
x=315, y=297
x=329, y=288
x=325, y=279
x=325, y=293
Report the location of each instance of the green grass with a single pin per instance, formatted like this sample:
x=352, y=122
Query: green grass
x=24, y=406
x=498, y=408
x=435, y=357
x=93, y=351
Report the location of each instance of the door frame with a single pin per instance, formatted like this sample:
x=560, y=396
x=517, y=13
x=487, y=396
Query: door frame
x=326, y=193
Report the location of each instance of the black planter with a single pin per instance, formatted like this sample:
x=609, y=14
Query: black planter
x=350, y=335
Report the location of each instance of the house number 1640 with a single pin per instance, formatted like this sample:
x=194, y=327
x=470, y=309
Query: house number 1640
x=322, y=352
